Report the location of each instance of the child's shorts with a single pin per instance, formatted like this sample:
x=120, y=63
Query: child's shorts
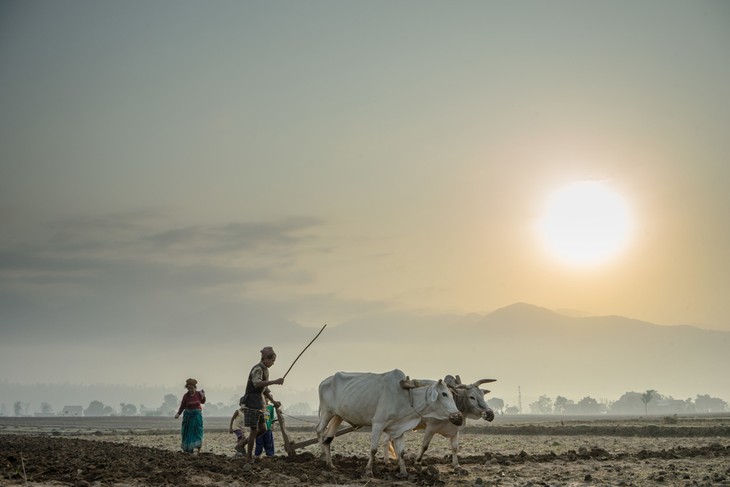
x=238, y=433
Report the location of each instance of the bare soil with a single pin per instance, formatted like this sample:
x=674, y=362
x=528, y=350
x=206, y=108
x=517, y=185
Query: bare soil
x=579, y=453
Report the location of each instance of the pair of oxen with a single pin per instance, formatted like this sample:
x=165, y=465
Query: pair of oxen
x=393, y=404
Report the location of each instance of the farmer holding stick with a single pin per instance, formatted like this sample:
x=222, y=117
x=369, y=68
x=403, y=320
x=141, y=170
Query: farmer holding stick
x=257, y=388
x=253, y=401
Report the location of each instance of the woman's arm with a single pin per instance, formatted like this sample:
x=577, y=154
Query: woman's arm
x=183, y=402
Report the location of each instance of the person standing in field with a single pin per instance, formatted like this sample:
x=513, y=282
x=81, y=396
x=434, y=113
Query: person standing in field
x=191, y=407
x=236, y=427
x=254, y=401
x=265, y=442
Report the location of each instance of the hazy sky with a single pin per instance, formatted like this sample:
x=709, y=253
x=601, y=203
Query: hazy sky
x=339, y=158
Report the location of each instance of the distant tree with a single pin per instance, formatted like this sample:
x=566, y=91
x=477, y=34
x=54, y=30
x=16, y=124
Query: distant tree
x=706, y=404
x=512, y=410
x=561, y=404
x=171, y=401
x=497, y=404
x=46, y=409
x=669, y=405
x=629, y=403
x=18, y=408
x=169, y=405
x=96, y=408
x=217, y=409
x=126, y=409
x=3, y=409
x=544, y=405
x=588, y=405
x=646, y=398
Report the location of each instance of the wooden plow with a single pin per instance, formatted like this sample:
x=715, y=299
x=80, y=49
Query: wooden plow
x=291, y=447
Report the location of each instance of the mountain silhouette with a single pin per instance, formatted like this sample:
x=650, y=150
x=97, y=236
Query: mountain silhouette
x=539, y=351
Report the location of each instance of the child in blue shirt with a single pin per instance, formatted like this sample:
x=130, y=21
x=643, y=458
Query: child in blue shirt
x=265, y=442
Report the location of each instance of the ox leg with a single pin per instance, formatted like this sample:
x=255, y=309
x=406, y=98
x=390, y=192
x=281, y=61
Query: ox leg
x=374, y=443
x=424, y=444
x=324, y=419
x=399, y=450
x=327, y=436
x=454, y=450
x=388, y=450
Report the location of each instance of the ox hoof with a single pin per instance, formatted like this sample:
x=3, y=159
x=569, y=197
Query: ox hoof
x=402, y=475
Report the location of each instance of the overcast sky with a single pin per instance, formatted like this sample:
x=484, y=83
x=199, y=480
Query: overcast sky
x=334, y=159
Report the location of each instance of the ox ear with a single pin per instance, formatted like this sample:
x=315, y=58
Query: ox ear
x=435, y=391
x=451, y=381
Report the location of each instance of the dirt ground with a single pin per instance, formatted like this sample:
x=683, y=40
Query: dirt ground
x=563, y=455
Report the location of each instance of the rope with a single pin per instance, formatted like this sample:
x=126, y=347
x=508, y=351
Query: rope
x=425, y=397
x=299, y=419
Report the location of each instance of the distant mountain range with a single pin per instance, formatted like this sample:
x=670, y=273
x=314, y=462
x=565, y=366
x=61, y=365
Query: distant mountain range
x=531, y=351
x=523, y=346
x=542, y=352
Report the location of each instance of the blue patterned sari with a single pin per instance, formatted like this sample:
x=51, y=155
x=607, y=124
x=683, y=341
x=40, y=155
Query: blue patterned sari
x=192, y=430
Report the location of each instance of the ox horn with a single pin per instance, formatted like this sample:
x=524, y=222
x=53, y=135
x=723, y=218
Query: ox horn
x=407, y=383
x=483, y=381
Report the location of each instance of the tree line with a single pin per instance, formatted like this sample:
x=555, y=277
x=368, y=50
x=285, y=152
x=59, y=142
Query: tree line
x=647, y=402
x=168, y=407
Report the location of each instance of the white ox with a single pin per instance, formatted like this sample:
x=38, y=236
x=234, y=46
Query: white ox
x=469, y=400
x=387, y=402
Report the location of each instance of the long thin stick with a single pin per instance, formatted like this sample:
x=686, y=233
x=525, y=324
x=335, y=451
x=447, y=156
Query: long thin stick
x=305, y=349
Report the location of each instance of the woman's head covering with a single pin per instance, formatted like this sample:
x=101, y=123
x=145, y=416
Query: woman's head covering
x=191, y=382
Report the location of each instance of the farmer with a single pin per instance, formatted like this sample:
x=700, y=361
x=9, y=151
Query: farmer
x=192, y=424
x=257, y=390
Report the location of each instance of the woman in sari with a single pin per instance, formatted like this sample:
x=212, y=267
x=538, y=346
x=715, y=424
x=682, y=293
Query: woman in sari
x=192, y=424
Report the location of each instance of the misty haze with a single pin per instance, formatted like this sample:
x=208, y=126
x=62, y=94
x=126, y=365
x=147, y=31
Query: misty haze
x=531, y=351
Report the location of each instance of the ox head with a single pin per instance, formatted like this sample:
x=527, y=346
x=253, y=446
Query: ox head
x=469, y=398
x=439, y=399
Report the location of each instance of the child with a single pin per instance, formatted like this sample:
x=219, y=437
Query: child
x=237, y=421
x=266, y=441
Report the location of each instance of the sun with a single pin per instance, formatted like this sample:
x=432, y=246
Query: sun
x=585, y=224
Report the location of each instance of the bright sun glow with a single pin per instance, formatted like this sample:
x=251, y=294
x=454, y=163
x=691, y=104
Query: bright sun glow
x=586, y=223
